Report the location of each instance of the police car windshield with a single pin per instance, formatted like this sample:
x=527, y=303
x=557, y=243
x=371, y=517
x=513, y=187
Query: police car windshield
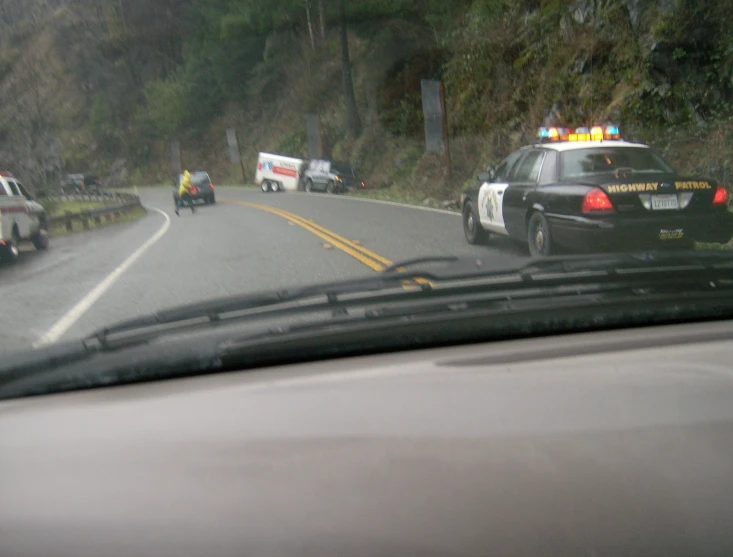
x=578, y=163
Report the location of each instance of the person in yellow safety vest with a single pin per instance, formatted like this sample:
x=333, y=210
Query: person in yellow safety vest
x=184, y=193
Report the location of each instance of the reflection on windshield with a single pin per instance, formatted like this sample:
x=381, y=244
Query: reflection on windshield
x=329, y=139
x=587, y=162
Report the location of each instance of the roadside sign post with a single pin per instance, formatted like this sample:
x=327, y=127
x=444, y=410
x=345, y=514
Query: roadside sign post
x=315, y=142
x=234, y=154
x=436, y=123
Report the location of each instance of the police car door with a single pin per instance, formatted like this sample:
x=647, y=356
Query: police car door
x=491, y=195
x=35, y=209
x=523, y=181
x=22, y=215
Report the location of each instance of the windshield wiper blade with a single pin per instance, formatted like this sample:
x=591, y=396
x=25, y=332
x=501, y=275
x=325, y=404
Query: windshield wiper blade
x=323, y=296
x=571, y=265
x=400, y=267
x=22, y=364
x=401, y=280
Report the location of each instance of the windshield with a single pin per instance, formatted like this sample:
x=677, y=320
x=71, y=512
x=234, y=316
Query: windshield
x=342, y=169
x=589, y=162
x=330, y=142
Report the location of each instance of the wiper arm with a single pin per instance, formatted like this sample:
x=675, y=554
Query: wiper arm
x=452, y=274
x=574, y=266
x=22, y=364
x=400, y=267
x=322, y=296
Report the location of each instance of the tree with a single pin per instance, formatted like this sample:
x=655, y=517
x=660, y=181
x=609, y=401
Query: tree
x=353, y=122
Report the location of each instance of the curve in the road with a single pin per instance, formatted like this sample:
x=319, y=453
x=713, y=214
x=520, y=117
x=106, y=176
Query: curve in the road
x=75, y=313
x=391, y=203
x=372, y=260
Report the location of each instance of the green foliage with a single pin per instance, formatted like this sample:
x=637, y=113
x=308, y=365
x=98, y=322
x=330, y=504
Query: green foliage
x=690, y=69
x=294, y=144
x=6, y=65
x=658, y=69
x=166, y=107
x=401, y=94
x=103, y=121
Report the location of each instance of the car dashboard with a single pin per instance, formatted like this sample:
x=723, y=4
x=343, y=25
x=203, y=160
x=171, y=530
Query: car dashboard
x=604, y=443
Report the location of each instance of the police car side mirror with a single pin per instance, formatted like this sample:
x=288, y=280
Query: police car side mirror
x=485, y=176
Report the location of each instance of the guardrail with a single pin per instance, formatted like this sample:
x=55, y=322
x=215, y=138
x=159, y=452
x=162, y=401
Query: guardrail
x=120, y=203
x=103, y=196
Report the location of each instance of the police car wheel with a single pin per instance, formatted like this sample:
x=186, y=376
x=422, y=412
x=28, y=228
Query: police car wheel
x=539, y=236
x=472, y=229
x=40, y=240
x=265, y=186
x=11, y=252
x=309, y=186
x=330, y=187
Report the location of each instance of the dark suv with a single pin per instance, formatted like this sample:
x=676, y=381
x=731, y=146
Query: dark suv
x=203, y=187
x=81, y=183
x=329, y=176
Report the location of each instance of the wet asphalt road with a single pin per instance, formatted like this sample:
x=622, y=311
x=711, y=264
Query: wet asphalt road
x=233, y=247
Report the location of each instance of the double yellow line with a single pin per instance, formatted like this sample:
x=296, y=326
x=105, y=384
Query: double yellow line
x=372, y=260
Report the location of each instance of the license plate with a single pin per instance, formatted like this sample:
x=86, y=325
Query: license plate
x=671, y=233
x=665, y=202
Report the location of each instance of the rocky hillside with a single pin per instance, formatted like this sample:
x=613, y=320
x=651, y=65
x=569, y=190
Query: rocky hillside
x=107, y=84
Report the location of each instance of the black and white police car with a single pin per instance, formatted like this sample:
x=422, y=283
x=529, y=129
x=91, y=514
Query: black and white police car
x=589, y=190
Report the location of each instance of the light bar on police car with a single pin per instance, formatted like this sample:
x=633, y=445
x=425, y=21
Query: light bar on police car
x=553, y=134
x=595, y=133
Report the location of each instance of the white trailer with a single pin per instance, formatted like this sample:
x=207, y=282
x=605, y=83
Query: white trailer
x=278, y=173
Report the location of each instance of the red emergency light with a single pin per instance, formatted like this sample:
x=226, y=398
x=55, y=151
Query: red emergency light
x=6, y=174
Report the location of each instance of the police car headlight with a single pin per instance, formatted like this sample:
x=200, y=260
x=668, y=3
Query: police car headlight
x=338, y=178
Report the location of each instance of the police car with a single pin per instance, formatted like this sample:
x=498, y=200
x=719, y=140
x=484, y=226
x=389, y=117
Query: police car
x=21, y=218
x=589, y=190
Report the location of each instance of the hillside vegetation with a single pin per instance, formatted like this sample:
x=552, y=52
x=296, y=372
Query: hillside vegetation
x=105, y=85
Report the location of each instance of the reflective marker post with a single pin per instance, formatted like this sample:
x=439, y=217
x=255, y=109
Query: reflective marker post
x=436, y=129
x=234, y=155
x=315, y=142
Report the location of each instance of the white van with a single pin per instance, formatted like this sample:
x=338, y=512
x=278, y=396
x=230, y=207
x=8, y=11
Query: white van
x=278, y=173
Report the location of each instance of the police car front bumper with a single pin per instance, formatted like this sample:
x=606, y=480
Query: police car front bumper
x=624, y=233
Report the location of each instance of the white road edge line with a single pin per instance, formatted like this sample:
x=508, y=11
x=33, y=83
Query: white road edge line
x=74, y=314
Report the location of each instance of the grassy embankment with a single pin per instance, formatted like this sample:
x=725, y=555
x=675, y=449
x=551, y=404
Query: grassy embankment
x=59, y=208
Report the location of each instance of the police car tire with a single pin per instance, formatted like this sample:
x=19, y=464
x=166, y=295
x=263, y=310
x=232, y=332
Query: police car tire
x=472, y=228
x=40, y=240
x=309, y=185
x=10, y=253
x=330, y=187
x=539, y=236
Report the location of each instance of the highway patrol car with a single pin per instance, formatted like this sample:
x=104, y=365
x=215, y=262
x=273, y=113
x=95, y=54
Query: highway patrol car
x=589, y=190
x=21, y=218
